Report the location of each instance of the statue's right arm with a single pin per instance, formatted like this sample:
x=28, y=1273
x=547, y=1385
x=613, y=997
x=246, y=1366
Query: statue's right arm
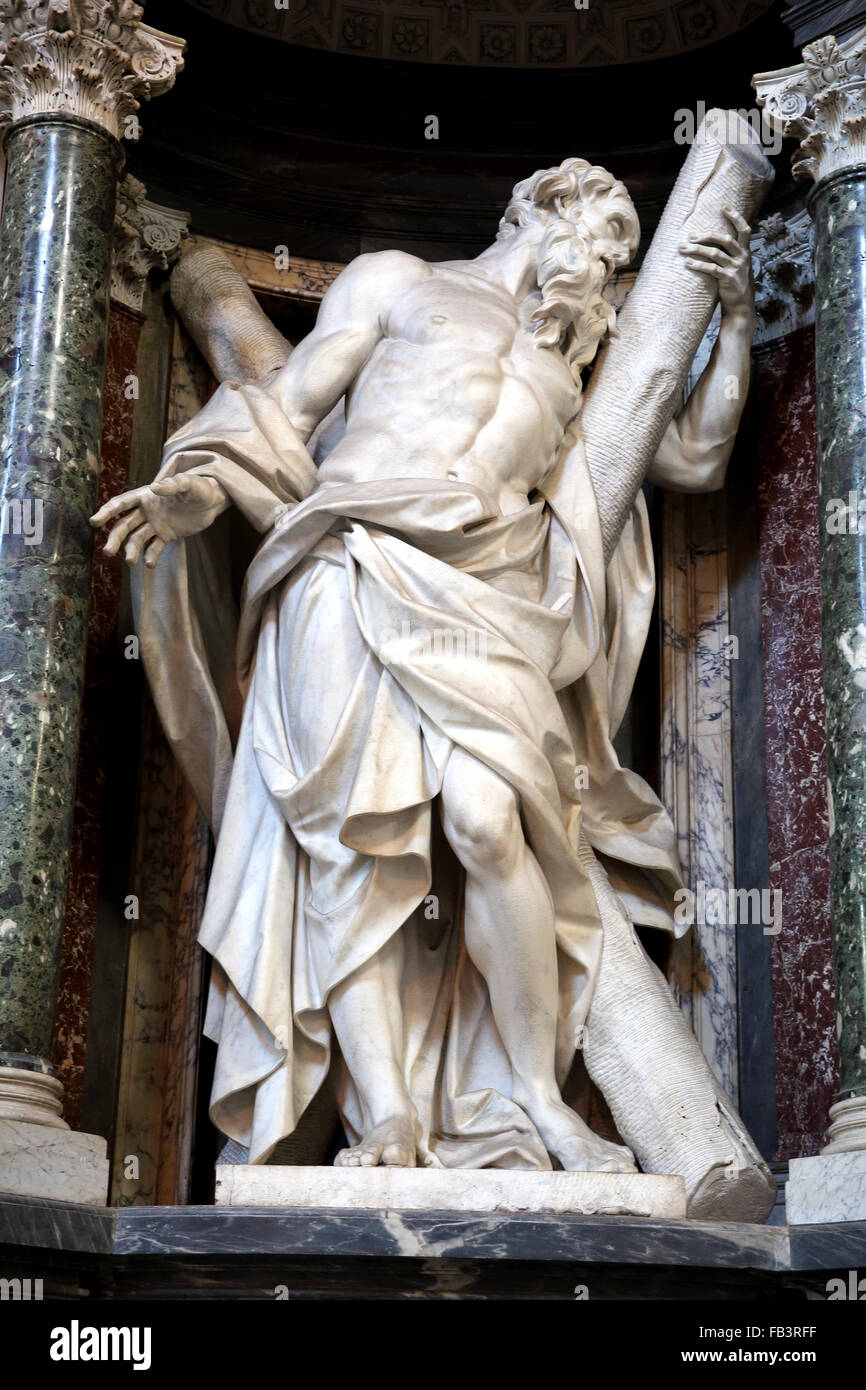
x=320, y=370
x=351, y=321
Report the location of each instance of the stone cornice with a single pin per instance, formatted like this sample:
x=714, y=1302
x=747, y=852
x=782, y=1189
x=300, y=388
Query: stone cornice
x=87, y=58
x=302, y=278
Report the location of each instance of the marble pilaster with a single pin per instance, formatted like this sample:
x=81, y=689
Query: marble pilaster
x=696, y=761
x=822, y=102
x=840, y=224
x=798, y=838
x=161, y=1028
x=781, y=456
x=147, y=238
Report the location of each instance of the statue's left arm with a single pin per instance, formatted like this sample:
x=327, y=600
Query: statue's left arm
x=695, y=450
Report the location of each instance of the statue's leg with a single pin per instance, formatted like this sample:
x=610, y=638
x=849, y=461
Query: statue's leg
x=510, y=937
x=664, y=1098
x=367, y=1013
x=316, y=616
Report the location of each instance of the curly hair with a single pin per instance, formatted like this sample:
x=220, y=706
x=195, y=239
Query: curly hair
x=575, y=259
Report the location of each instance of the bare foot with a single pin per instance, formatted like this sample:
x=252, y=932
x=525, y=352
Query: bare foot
x=392, y=1143
x=578, y=1149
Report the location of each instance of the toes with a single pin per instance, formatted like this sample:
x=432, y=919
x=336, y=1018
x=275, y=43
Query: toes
x=391, y=1145
x=618, y=1165
x=349, y=1158
x=396, y=1156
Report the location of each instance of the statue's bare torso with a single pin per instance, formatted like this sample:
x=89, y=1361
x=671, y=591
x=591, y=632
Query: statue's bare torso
x=455, y=387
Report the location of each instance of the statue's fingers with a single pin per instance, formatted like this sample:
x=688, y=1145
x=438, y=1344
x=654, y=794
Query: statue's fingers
x=115, y=507
x=132, y=553
x=705, y=267
x=721, y=240
x=171, y=487
x=153, y=551
x=121, y=530
x=739, y=224
x=708, y=253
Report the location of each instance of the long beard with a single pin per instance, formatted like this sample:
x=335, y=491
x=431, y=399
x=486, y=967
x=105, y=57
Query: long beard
x=573, y=313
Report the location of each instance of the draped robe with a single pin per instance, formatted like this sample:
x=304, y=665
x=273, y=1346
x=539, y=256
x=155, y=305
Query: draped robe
x=433, y=622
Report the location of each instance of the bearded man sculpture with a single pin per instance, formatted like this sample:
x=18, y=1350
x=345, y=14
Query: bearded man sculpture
x=441, y=623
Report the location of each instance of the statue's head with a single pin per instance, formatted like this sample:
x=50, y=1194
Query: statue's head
x=587, y=226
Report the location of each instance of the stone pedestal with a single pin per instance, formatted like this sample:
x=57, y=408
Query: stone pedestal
x=494, y=1190
x=827, y=1188
x=41, y=1161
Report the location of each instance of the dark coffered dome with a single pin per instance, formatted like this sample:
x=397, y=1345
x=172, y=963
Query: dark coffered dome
x=494, y=33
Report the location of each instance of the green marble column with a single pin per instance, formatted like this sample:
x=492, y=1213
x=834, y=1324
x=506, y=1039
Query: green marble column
x=58, y=215
x=838, y=205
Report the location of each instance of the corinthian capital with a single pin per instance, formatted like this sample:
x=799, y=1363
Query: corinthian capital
x=146, y=237
x=90, y=58
x=784, y=275
x=821, y=102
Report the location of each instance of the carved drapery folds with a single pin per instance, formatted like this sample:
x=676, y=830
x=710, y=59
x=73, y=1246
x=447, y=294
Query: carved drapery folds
x=88, y=58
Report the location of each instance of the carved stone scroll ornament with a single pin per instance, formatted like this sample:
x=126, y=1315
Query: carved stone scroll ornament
x=146, y=237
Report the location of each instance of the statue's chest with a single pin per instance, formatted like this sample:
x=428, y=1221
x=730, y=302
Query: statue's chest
x=463, y=319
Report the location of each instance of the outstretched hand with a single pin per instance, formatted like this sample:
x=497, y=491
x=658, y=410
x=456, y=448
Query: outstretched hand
x=147, y=518
x=728, y=259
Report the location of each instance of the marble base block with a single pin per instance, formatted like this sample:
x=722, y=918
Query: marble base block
x=37, y=1160
x=450, y=1189
x=828, y=1187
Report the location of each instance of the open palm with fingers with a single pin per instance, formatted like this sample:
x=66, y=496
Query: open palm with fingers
x=146, y=519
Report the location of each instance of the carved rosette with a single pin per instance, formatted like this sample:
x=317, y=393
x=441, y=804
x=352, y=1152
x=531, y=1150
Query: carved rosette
x=146, y=237
x=88, y=58
x=784, y=274
x=821, y=102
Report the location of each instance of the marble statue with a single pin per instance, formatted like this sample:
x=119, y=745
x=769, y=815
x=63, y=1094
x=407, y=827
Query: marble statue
x=402, y=736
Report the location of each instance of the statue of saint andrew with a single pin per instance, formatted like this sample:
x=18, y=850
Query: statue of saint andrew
x=432, y=628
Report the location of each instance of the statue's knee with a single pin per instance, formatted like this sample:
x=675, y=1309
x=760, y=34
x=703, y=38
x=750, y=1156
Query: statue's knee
x=484, y=829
